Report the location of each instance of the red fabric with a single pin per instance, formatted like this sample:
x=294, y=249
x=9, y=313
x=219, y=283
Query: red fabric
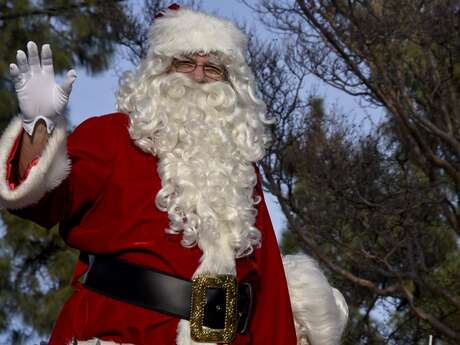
x=172, y=7
x=106, y=205
x=12, y=175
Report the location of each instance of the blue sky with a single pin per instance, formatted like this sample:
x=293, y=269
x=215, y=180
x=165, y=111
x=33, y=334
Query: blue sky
x=94, y=95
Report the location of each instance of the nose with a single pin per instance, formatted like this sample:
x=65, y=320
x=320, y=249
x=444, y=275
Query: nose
x=198, y=74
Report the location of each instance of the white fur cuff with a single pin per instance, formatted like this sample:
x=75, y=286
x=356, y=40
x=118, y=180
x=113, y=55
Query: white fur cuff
x=95, y=341
x=52, y=168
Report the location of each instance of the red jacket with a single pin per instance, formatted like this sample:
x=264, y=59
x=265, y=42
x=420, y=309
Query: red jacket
x=106, y=205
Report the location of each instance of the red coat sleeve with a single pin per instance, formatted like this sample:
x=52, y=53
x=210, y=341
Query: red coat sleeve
x=91, y=148
x=272, y=322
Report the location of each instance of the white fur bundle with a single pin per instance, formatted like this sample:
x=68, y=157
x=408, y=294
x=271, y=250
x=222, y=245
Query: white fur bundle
x=320, y=311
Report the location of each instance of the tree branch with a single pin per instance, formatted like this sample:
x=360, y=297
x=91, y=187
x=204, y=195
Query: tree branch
x=54, y=11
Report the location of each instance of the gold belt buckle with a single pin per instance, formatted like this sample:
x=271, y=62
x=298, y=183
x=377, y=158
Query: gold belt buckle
x=201, y=333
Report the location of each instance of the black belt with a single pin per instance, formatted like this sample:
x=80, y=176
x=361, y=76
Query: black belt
x=167, y=294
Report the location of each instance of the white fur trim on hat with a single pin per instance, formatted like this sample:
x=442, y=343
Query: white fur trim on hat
x=51, y=169
x=187, y=31
x=320, y=311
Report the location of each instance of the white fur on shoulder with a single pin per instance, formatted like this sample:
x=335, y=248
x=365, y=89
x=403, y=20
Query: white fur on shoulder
x=320, y=311
x=51, y=169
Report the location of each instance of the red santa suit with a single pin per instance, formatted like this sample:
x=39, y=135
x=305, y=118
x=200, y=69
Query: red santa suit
x=106, y=206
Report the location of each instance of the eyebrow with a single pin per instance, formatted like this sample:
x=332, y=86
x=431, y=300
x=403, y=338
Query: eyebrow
x=213, y=59
x=184, y=58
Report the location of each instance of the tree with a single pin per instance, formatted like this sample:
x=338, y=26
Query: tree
x=35, y=265
x=134, y=36
x=380, y=212
x=379, y=220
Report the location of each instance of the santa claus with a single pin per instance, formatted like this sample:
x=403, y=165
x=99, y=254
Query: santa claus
x=163, y=199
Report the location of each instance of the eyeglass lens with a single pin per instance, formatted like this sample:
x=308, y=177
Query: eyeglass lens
x=210, y=71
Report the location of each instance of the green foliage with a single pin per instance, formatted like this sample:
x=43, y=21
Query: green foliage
x=35, y=265
x=35, y=269
x=81, y=33
x=290, y=243
x=379, y=218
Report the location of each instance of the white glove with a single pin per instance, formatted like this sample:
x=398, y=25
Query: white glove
x=38, y=94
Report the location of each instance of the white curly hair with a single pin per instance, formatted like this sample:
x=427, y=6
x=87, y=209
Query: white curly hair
x=207, y=138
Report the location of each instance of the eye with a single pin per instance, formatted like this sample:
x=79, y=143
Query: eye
x=214, y=71
x=184, y=66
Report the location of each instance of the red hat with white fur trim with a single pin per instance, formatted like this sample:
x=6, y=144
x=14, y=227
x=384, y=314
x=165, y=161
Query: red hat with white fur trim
x=178, y=31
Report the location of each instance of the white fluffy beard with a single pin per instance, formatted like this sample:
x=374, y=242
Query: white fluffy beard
x=206, y=143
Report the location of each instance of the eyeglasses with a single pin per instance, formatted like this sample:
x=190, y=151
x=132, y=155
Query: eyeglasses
x=211, y=71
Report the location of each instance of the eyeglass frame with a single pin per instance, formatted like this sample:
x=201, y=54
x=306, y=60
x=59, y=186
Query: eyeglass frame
x=193, y=62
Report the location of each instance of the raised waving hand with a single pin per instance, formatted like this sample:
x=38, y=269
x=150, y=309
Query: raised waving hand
x=39, y=96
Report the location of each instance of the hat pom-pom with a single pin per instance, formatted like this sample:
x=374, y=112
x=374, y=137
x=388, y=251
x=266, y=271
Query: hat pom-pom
x=172, y=7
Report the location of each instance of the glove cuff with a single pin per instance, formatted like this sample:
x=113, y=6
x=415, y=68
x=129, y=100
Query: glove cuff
x=29, y=124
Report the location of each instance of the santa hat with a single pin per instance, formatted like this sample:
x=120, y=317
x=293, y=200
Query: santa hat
x=177, y=31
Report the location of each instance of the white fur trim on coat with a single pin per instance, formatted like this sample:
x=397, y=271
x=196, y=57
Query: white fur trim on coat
x=320, y=311
x=95, y=341
x=183, y=334
x=51, y=169
x=185, y=32
x=188, y=31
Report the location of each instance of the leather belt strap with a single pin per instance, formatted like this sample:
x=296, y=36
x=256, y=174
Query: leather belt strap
x=162, y=292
